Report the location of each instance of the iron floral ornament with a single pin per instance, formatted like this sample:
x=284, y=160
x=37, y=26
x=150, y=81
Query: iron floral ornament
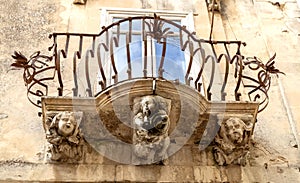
x=39, y=69
x=156, y=30
x=36, y=73
x=260, y=86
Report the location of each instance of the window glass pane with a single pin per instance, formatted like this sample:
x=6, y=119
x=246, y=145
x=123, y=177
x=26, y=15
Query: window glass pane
x=120, y=55
x=174, y=61
x=136, y=56
x=136, y=24
x=172, y=27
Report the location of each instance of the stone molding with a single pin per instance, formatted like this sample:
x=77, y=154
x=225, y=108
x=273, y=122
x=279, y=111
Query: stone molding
x=203, y=119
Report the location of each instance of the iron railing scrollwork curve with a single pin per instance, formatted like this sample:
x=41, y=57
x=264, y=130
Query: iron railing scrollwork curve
x=159, y=29
x=33, y=75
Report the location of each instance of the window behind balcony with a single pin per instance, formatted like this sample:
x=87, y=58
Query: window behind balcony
x=174, y=62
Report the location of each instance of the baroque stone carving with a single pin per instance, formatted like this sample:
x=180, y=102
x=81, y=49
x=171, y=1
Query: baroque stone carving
x=232, y=142
x=66, y=140
x=151, y=125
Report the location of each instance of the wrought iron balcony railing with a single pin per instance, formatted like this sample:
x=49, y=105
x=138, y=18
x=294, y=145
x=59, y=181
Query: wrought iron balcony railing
x=157, y=48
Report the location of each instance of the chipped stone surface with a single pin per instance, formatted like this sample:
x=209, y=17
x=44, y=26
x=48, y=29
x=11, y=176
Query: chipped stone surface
x=24, y=27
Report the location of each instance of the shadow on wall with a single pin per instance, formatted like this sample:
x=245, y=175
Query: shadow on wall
x=79, y=1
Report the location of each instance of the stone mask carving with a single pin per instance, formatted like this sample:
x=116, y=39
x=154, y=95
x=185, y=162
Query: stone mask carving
x=232, y=142
x=66, y=124
x=151, y=122
x=66, y=140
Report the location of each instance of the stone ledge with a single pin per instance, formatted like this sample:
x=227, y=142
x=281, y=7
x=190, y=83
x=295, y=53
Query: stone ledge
x=53, y=172
x=105, y=173
x=29, y=172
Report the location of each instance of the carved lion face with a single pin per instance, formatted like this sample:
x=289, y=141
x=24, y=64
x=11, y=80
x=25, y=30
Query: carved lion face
x=66, y=124
x=235, y=129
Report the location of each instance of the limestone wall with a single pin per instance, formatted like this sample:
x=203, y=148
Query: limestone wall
x=266, y=26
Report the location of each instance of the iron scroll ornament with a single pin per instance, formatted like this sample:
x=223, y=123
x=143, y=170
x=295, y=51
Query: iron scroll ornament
x=260, y=86
x=40, y=69
x=35, y=75
x=157, y=31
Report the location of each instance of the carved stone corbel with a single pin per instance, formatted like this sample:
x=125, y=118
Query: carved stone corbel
x=151, y=126
x=232, y=142
x=66, y=142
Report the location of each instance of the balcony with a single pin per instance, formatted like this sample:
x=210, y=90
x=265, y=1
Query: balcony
x=146, y=86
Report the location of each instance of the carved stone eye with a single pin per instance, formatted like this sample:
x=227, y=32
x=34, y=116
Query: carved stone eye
x=237, y=126
x=228, y=127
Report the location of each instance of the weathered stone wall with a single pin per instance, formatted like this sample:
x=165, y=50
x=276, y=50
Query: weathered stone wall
x=266, y=26
x=24, y=27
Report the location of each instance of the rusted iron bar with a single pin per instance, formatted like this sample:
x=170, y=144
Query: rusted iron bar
x=100, y=65
x=87, y=76
x=128, y=56
x=192, y=53
x=212, y=75
x=33, y=74
x=60, y=80
x=144, y=36
x=113, y=43
x=155, y=28
x=227, y=62
x=162, y=58
x=75, y=79
x=202, y=54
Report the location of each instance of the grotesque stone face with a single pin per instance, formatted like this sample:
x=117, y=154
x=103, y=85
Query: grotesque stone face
x=148, y=105
x=151, y=114
x=66, y=142
x=231, y=143
x=235, y=129
x=160, y=121
x=66, y=124
x=151, y=123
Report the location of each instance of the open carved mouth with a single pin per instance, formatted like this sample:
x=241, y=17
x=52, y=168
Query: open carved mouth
x=160, y=126
x=236, y=136
x=69, y=125
x=147, y=112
